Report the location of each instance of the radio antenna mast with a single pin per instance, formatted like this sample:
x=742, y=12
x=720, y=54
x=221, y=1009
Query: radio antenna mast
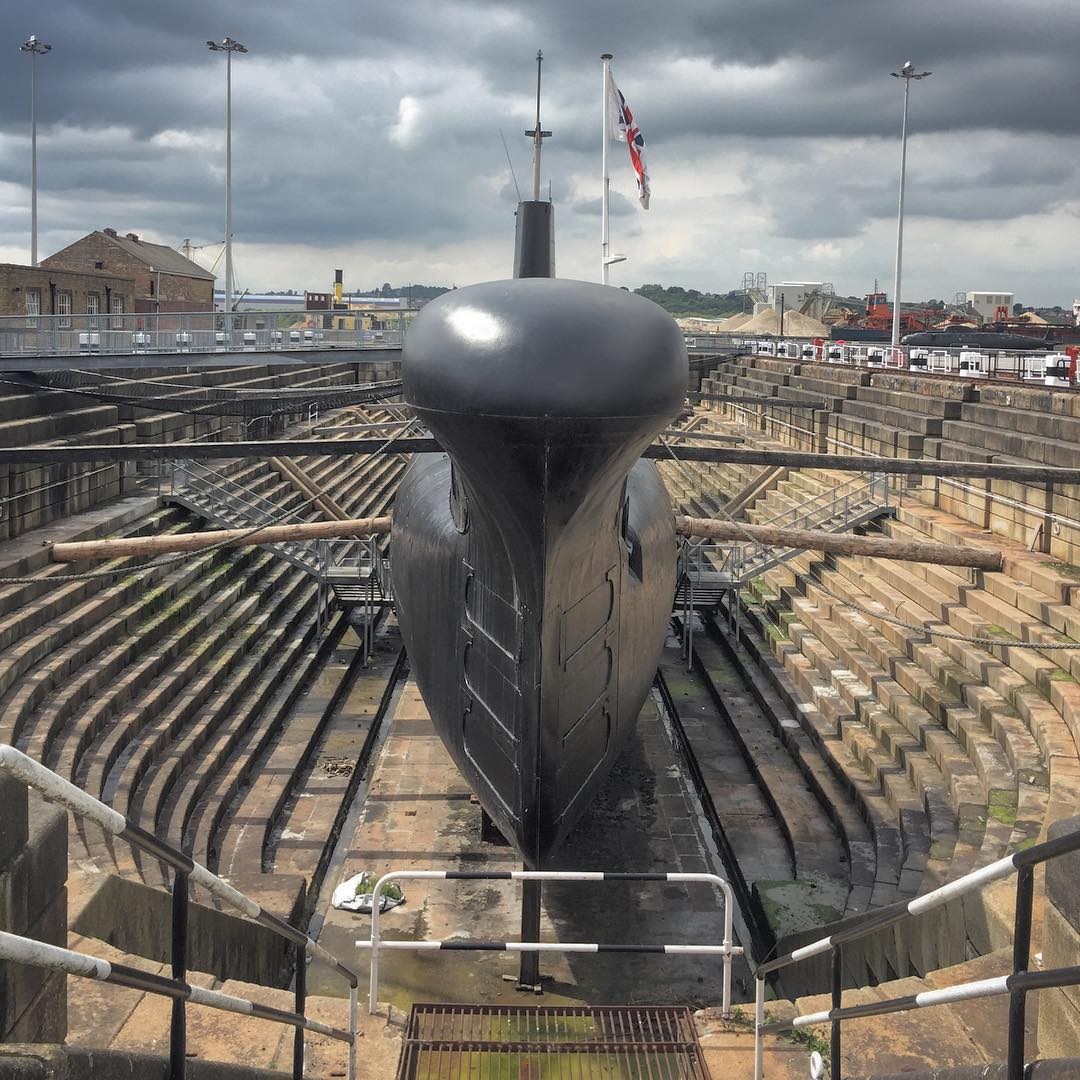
x=537, y=134
x=513, y=175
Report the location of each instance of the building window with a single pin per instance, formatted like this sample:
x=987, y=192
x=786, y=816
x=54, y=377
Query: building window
x=93, y=307
x=116, y=307
x=33, y=307
x=99, y=266
x=63, y=310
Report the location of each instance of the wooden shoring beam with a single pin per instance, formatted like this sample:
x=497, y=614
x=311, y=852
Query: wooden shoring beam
x=303, y=483
x=350, y=529
x=708, y=436
x=757, y=484
x=841, y=543
x=349, y=429
x=758, y=399
x=1036, y=475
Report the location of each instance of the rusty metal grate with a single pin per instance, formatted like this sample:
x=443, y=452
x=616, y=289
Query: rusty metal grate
x=516, y=1042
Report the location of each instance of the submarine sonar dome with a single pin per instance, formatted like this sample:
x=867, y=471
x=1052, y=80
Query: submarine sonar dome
x=544, y=347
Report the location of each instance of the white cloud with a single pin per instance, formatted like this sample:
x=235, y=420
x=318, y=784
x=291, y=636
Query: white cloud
x=410, y=113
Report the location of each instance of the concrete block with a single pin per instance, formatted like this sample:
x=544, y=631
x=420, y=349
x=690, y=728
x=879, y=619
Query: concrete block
x=44, y=1020
x=28, y=1009
x=37, y=872
x=13, y=818
x=220, y=944
x=1062, y=875
x=1059, y=1009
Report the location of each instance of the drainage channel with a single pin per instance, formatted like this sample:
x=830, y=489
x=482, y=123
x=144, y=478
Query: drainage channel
x=709, y=825
x=345, y=825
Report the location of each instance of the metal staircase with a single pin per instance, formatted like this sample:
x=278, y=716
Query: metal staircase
x=356, y=571
x=708, y=570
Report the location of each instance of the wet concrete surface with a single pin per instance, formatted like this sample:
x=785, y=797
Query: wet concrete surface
x=419, y=814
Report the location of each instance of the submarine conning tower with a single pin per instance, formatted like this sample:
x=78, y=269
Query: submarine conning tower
x=534, y=561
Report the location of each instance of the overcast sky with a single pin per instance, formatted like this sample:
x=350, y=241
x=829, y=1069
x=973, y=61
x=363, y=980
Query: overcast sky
x=366, y=136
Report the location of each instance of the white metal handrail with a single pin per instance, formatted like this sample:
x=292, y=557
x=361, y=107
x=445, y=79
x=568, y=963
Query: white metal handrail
x=27, y=950
x=978, y=361
x=1016, y=984
x=727, y=949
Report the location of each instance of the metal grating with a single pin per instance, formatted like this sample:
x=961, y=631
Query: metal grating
x=515, y=1042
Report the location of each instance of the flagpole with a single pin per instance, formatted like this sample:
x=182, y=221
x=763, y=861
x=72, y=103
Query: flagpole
x=605, y=135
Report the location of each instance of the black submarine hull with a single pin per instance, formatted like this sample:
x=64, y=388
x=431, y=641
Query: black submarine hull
x=534, y=561
x=975, y=339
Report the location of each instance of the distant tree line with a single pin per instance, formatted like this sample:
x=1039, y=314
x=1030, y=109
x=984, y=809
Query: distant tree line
x=416, y=292
x=688, y=303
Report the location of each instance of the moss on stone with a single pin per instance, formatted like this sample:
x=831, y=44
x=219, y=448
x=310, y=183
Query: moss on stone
x=1065, y=568
x=791, y=906
x=1002, y=806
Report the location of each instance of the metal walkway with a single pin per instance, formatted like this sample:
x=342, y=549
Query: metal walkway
x=708, y=570
x=355, y=570
x=486, y=1042
x=202, y=338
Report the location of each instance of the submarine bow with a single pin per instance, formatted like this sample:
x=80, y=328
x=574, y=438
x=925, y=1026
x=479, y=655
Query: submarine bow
x=534, y=561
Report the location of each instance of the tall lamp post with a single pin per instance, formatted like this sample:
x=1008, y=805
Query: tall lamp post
x=228, y=47
x=907, y=73
x=35, y=48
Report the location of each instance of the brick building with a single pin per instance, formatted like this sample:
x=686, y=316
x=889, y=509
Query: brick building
x=164, y=279
x=35, y=290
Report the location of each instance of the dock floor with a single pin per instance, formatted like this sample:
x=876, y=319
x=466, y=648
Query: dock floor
x=419, y=814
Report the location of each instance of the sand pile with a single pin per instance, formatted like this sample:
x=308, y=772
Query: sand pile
x=795, y=325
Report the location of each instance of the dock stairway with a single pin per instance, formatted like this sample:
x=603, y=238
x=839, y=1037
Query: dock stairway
x=357, y=572
x=708, y=570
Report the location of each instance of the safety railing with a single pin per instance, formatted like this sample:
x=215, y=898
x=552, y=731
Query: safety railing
x=186, y=872
x=836, y=500
x=1016, y=985
x=1036, y=365
x=232, y=505
x=358, y=571
x=836, y=509
x=727, y=950
x=196, y=332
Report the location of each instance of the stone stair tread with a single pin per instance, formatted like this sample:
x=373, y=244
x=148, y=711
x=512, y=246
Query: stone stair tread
x=244, y=839
x=243, y=1040
x=963, y=1032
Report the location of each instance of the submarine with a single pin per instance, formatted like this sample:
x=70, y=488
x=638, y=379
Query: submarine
x=975, y=338
x=534, y=559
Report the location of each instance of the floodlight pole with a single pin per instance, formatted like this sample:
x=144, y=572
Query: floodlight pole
x=228, y=47
x=35, y=48
x=907, y=73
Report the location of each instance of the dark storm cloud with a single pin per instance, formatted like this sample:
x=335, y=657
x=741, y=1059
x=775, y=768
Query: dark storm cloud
x=368, y=122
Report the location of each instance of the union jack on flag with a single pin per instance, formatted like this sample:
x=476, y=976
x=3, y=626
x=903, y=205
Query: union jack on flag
x=623, y=127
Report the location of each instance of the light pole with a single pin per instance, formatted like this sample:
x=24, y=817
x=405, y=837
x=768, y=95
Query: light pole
x=228, y=47
x=35, y=48
x=907, y=73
